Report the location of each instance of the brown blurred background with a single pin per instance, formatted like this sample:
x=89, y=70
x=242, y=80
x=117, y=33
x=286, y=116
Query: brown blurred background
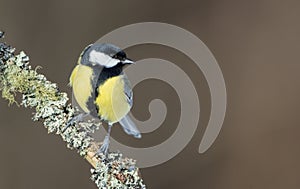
x=256, y=44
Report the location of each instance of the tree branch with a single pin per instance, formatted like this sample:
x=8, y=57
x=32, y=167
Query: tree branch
x=51, y=106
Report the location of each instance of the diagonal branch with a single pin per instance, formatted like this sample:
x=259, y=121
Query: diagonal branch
x=52, y=108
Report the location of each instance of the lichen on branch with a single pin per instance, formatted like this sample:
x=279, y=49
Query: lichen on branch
x=52, y=108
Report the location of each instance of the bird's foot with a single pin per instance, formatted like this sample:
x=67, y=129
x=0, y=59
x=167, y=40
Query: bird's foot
x=76, y=119
x=104, y=147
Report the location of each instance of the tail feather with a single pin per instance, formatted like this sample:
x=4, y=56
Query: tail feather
x=129, y=127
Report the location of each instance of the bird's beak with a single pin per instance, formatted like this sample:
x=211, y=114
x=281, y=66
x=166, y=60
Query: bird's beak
x=128, y=61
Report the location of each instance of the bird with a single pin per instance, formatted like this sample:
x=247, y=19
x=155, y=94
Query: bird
x=102, y=90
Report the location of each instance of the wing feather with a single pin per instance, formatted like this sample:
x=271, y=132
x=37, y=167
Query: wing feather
x=128, y=90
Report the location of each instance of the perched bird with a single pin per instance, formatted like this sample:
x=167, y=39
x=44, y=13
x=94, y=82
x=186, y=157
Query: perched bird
x=101, y=88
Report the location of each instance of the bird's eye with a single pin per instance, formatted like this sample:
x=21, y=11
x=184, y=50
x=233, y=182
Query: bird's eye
x=120, y=56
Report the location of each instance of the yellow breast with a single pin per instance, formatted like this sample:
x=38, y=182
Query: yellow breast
x=80, y=80
x=111, y=101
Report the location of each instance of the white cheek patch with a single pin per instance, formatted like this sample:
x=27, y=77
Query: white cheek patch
x=102, y=59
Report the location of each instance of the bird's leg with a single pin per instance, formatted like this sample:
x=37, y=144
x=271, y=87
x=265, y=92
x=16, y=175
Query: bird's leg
x=104, y=148
x=74, y=120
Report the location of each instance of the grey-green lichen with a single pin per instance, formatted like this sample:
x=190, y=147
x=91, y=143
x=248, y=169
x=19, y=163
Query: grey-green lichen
x=117, y=172
x=51, y=106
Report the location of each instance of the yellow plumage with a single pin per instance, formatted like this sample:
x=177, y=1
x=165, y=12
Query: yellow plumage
x=112, y=100
x=73, y=75
x=80, y=80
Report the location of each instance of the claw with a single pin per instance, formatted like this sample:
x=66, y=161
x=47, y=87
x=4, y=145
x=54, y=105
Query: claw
x=104, y=147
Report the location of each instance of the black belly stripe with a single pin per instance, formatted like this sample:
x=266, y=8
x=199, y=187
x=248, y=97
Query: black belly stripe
x=100, y=75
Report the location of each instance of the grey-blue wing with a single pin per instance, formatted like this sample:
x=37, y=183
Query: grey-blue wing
x=128, y=90
x=127, y=124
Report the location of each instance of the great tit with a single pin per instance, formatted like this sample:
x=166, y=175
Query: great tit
x=101, y=88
